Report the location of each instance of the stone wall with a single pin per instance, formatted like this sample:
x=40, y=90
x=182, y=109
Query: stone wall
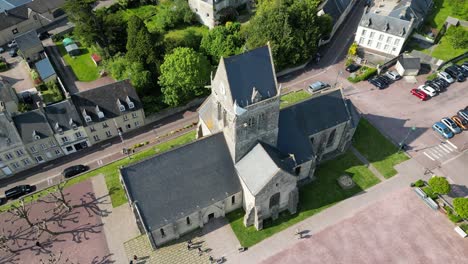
x=170, y=111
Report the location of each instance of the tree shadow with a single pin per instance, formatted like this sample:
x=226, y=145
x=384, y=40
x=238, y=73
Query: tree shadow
x=457, y=190
x=102, y=260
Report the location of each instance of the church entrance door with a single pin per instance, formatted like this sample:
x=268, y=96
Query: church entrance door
x=274, y=200
x=210, y=216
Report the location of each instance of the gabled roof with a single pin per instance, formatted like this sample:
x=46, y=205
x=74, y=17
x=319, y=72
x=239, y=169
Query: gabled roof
x=60, y=113
x=409, y=63
x=10, y=4
x=32, y=122
x=44, y=68
x=28, y=40
x=174, y=184
x=302, y=120
x=42, y=6
x=106, y=98
x=260, y=165
x=248, y=71
x=390, y=25
x=7, y=93
x=13, y=16
x=9, y=136
x=334, y=8
x=20, y=13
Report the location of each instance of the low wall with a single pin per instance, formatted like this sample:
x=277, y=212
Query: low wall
x=170, y=111
x=293, y=69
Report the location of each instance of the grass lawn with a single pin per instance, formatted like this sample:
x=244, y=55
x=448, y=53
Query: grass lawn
x=442, y=9
x=445, y=51
x=111, y=172
x=313, y=198
x=189, y=36
x=293, y=97
x=82, y=65
x=378, y=150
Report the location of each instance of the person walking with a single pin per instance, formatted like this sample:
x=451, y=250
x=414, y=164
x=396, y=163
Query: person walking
x=200, y=252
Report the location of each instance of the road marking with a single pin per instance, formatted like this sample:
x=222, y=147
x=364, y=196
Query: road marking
x=440, y=153
x=99, y=162
x=444, y=149
x=49, y=181
x=428, y=156
x=452, y=144
x=435, y=154
x=447, y=147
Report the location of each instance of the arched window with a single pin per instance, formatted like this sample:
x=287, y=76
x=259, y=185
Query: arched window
x=233, y=199
x=162, y=232
x=188, y=220
x=331, y=138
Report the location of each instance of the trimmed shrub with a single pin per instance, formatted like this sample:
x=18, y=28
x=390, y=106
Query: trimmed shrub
x=454, y=218
x=348, y=62
x=461, y=206
x=419, y=183
x=428, y=190
x=464, y=227
x=439, y=185
x=363, y=74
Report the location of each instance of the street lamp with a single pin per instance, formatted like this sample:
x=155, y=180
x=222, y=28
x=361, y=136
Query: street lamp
x=402, y=143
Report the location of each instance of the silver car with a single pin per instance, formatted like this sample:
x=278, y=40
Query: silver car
x=393, y=75
x=317, y=86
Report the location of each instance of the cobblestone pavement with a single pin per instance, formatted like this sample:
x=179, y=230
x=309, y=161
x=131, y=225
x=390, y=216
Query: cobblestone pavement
x=170, y=254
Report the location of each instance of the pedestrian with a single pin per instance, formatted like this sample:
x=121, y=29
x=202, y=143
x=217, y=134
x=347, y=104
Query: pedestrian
x=299, y=233
x=135, y=257
x=189, y=242
x=200, y=252
x=189, y=247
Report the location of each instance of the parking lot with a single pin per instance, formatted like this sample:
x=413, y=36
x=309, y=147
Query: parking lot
x=18, y=75
x=395, y=111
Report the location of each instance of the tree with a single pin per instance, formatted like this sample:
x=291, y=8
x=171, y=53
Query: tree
x=141, y=46
x=80, y=12
x=223, y=41
x=120, y=69
x=439, y=185
x=114, y=30
x=461, y=206
x=172, y=14
x=291, y=27
x=458, y=37
x=353, y=49
x=184, y=74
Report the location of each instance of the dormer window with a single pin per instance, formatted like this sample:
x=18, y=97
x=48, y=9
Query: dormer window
x=35, y=135
x=121, y=106
x=86, y=117
x=131, y=105
x=72, y=124
x=58, y=128
x=99, y=113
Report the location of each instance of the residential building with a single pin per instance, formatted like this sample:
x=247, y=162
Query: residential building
x=46, y=70
x=33, y=15
x=338, y=11
x=109, y=110
x=385, y=27
x=249, y=153
x=209, y=12
x=30, y=46
x=37, y=136
x=13, y=155
x=8, y=98
x=68, y=127
x=408, y=66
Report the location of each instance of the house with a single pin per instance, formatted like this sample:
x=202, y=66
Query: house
x=37, y=136
x=46, y=70
x=249, y=153
x=34, y=15
x=13, y=156
x=386, y=25
x=408, y=66
x=68, y=127
x=109, y=110
x=338, y=11
x=8, y=98
x=29, y=45
x=209, y=12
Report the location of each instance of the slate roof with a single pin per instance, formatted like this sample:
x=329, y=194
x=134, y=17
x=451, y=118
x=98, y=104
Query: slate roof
x=410, y=63
x=44, y=68
x=411, y=8
x=260, y=165
x=13, y=16
x=106, y=98
x=249, y=70
x=31, y=121
x=8, y=135
x=9, y=4
x=298, y=122
x=28, y=40
x=6, y=92
x=42, y=6
x=60, y=113
x=334, y=8
x=177, y=183
x=396, y=26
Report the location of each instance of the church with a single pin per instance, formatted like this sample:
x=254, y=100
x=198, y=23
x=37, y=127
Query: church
x=249, y=153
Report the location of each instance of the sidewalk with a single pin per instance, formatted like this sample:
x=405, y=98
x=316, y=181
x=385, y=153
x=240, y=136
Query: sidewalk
x=367, y=163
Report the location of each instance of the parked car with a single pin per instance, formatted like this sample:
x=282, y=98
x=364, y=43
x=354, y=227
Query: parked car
x=461, y=122
x=378, y=83
x=461, y=78
x=12, y=44
x=463, y=114
x=43, y=35
x=436, y=86
x=446, y=77
x=352, y=67
x=465, y=66
x=317, y=86
x=452, y=71
x=442, y=130
x=451, y=125
x=18, y=191
x=428, y=90
x=420, y=94
x=461, y=69
x=74, y=170
x=13, y=52
x=393, y=75
x=3, y=200
x=442, y=82
x=385, y=79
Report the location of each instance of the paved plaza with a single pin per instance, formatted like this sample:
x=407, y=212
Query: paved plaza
x=399, y=228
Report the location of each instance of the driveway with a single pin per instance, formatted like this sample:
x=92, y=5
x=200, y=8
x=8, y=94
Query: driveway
x=18, y=76
x=399, y=228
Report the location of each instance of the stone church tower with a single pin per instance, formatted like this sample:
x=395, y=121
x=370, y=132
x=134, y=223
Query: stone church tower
x=244, y=102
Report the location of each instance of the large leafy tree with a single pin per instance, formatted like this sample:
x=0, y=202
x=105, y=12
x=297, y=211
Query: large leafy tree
x=87, y=26
x=439, y=185
x=113, y=31
x=223, y=41
x=141, y=44
x=461, y=206
x=120, y=69
x=292, y=28
x=184, y=75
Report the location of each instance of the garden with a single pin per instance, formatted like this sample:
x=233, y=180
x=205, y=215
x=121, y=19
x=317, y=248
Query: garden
x=362, y=74
x=82, y=65
x=293, y=97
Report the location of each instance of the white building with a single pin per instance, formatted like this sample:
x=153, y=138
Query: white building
x=386, y=25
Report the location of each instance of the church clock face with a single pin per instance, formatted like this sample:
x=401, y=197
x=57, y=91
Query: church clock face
x=222, y=89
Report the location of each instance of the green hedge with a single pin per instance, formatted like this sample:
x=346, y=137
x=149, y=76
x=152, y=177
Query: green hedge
x=419, y=183
x=3, y=66
x=363, y=74
x=428, y=190
x=464, y=227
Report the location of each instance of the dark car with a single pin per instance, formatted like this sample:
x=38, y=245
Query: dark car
x=438, y=87
x=27, y=98
x=18, y=191
x=3, y=200
x=461, y=70
x=43, y=35
x=352, y=68
x=442, y=82
x=13, y=52
x=74, y=170
x=386, y=79
x=378, y=83
x=460, y=78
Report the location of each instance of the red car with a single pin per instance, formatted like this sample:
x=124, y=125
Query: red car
x=420, y=94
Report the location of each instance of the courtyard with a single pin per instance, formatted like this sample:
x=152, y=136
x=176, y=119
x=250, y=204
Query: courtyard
x=399, y=228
